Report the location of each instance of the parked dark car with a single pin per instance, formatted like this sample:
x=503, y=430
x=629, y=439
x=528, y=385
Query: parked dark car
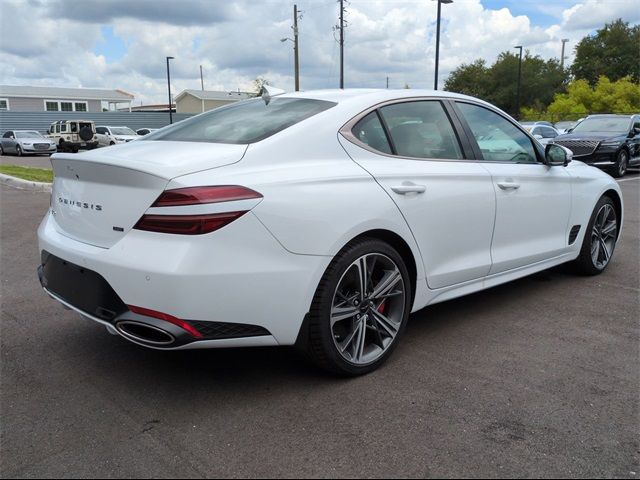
x=610, y=142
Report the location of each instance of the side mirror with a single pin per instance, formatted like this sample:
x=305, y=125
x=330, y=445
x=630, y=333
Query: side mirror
x=556, y=155
x=569, y=130
x=539, y=137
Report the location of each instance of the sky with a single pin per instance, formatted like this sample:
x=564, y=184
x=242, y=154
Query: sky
x=122, y=44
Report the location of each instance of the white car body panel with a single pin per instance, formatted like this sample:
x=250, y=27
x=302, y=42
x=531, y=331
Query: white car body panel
x=319, y=192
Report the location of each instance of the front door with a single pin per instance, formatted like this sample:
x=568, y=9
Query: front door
x=533, y=200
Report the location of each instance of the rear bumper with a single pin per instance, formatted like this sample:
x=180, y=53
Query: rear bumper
x=237, y=275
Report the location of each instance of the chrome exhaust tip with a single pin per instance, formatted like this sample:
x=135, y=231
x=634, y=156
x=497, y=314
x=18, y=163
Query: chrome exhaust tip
x=142, y=333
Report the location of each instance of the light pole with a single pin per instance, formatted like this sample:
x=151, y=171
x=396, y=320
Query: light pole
x=518, y=88
x=169, y=87
x=562, y=57
x=296, y=47
x=440, y=2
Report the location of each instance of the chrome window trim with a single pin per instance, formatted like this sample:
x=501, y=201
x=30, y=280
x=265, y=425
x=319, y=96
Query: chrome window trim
x=346, y=130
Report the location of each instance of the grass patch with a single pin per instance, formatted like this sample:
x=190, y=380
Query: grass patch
x=28, y=173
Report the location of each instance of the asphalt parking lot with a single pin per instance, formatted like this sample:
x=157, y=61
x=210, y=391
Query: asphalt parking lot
x=536, y=378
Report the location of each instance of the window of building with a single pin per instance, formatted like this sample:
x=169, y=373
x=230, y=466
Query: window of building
x=4, y=104
x=65, y=106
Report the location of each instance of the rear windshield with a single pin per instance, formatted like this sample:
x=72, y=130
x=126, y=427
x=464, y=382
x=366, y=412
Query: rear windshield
x=244, y=122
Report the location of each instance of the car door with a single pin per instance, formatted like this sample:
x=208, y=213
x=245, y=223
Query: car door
x=8, y=144
x=533, y=200
x=102, y=134
x=447, y=199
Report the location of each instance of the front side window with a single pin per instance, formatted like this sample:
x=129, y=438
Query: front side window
x=243, y=122
x=52, y=106
x=369, y=131
x=499, y=140
x=122, y=131
x=7, y=135
x=421, y=130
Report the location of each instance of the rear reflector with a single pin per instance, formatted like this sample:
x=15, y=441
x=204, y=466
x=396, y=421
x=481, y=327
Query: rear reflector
x=199, y=195
x=186, y=224
x=167, y=318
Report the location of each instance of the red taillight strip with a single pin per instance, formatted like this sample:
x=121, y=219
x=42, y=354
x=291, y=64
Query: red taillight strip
x=186, y=224
x=167, y=318
x=199, y=195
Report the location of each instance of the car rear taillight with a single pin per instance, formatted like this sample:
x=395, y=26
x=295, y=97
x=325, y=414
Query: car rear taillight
x=186, y=224
x=195, y=224
x=167, y=318
x=199, y=195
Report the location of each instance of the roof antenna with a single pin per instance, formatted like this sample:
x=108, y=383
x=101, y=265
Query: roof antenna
x=269, y=92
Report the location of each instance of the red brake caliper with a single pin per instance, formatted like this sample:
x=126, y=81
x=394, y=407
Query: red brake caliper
x=382, y=306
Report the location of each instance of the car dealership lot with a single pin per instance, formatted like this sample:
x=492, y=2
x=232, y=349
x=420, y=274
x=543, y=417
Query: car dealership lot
x=538, y=377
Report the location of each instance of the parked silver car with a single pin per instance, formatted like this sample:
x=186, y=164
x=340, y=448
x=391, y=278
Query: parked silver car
x=543, y=133
x=26, y=141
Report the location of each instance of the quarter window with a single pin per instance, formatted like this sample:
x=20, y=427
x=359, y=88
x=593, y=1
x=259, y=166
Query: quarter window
x=499, y=140
x=548, y=132
x=369, y=131
x=421, y=130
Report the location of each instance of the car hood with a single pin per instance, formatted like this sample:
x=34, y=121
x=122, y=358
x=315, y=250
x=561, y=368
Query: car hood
x=599, y=136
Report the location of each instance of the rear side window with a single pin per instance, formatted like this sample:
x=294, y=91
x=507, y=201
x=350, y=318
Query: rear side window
x=421, y=130
x=369, y=131
x=548, y=132
x=244, y=122
x=499, y=140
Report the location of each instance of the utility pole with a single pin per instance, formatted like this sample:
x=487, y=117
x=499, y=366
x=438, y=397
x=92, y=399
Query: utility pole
x=518, y=87
x=296, y=47
x=169, y=88
x=201, y=79
x=342, y=44
x=387, y=83
x=562, y=57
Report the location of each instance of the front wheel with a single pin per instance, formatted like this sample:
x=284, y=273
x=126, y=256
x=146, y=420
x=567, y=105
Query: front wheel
x=18, y=150
x=360, y=308
x=599, y=239
x=622, y=163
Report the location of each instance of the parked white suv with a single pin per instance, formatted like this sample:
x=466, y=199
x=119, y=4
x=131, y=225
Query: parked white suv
x=113, y=135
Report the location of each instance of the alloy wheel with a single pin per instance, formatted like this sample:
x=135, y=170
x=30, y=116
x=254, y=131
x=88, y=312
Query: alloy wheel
x=622, y=163
x=603, y=236
x=19, y=150
x=367, y=309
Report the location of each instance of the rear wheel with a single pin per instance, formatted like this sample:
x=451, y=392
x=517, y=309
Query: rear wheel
x=1, y=150
x=360, y=308
x=622, y=163
x=599, y=239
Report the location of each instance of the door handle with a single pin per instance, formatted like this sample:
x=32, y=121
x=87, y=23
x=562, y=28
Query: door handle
x=509, y=185
x=408, y=188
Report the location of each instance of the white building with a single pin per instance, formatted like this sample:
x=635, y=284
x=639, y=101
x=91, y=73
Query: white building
x=16, y=98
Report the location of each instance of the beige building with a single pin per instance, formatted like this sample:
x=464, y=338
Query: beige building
x=198, y=101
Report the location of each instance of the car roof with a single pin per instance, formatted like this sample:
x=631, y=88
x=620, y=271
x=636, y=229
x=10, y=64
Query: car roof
x=381, y=94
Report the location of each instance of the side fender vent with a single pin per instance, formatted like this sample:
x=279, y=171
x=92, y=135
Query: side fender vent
x=573, y=234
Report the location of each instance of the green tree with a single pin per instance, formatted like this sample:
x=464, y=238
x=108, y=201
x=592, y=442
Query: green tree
x=613, y=51
x=622, y=96
x=498, y=84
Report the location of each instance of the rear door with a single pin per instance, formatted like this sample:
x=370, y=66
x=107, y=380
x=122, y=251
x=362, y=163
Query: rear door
x=533, y=199
x=414, y=153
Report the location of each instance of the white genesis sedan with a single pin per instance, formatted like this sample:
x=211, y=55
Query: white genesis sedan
x=318, y=219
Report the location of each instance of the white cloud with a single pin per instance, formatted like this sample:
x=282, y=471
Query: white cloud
x=238, y=40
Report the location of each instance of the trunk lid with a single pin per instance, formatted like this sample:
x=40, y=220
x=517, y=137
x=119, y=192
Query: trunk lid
x=98, y=196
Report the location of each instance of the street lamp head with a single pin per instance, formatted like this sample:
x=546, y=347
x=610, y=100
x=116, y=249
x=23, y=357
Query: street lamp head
x=170, y=58
x=518, y=46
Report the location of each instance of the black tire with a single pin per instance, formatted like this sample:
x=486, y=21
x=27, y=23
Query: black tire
x=112, y=143
x=320, y=341
x=19, y=150
x=86, y=133
x=622, y=164
x=1, y=150
x=585, y=263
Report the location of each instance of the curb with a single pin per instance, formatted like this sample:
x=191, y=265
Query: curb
x=24, y=184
